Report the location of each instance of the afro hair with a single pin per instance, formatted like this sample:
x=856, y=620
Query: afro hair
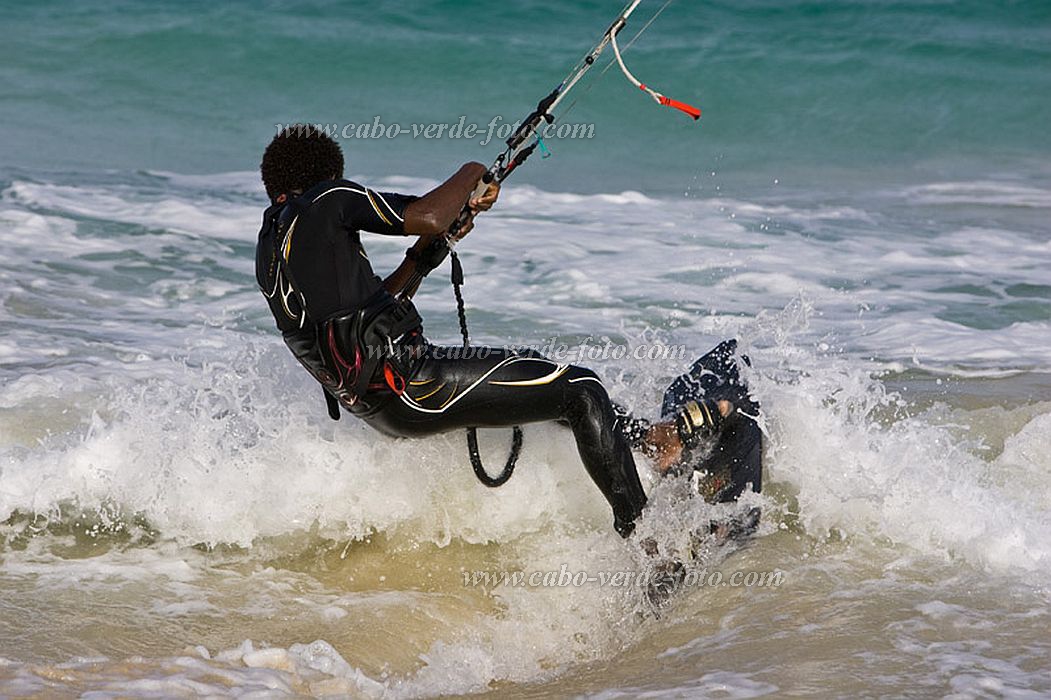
x=299, y=157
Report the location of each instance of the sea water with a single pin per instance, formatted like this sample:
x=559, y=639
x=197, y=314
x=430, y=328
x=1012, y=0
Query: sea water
x=864, y=205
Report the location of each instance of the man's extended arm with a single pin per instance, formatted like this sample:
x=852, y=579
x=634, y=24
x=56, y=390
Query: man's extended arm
x=435, y=211
x=433, y=214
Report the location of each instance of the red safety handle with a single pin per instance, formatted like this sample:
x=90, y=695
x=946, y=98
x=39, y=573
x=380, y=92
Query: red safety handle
x=681, y=106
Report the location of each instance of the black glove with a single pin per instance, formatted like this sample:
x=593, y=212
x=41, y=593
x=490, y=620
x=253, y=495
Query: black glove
x=430, y=257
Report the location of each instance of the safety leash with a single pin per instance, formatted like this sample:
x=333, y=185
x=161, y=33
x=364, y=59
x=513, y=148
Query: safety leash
x=472, y=433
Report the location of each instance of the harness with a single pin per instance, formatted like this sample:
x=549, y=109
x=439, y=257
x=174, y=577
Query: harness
x=349, y=353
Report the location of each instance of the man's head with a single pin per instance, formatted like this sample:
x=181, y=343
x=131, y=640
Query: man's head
x=299, y=157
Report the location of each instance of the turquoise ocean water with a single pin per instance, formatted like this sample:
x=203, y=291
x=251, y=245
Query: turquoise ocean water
x=864, y=204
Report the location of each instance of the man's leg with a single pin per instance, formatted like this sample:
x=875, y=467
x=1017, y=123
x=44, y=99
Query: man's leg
x=485, y=388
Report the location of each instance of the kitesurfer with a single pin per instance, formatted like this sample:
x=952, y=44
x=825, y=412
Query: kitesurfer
x=363, y=340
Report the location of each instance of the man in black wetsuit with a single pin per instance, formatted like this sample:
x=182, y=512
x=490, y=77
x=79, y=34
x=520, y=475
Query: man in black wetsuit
x=362, y=339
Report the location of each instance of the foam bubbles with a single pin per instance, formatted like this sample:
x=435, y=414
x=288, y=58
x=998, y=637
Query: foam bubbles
x=163, y=456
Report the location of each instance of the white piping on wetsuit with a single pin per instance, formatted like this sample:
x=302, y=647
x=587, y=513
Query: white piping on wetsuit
x=546, y=379
x=405, y=399
x=367, y=196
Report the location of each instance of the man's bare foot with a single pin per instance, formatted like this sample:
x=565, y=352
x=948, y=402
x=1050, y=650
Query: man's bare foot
x=663, y=440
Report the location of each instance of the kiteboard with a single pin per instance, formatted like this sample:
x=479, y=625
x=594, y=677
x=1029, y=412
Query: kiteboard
x=719, y=472
x=724, y=470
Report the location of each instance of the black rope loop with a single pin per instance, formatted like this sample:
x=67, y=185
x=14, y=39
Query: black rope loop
x=472, y=433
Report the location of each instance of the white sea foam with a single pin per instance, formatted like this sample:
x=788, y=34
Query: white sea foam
x=981, y=192
x=858, y=462
x=143, y=385
x=192, y=215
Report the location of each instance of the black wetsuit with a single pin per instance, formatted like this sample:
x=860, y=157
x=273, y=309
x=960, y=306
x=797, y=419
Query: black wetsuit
x=317, y=269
